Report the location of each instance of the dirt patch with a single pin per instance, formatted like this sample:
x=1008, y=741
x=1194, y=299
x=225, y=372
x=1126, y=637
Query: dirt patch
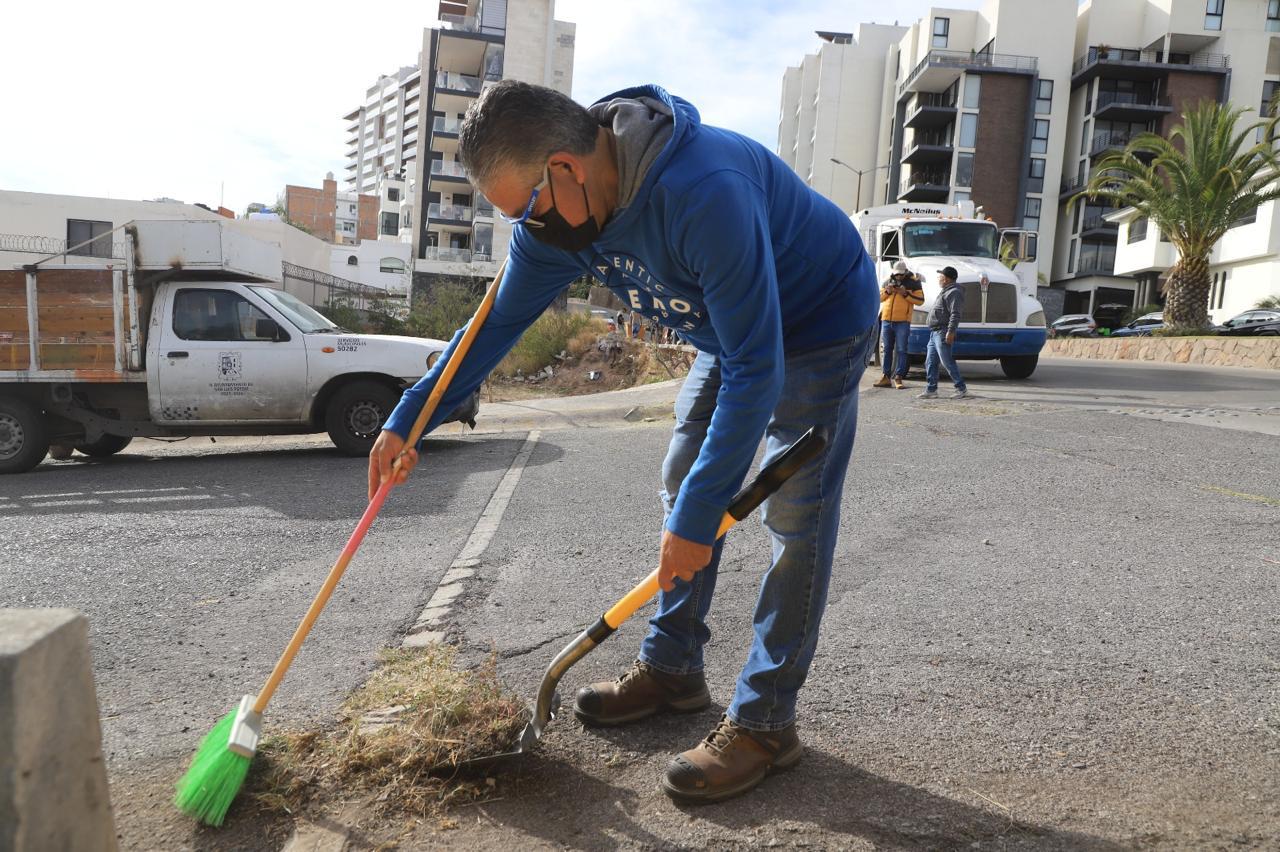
x=601, y=363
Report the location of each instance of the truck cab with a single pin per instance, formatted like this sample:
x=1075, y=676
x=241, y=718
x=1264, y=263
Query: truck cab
x=1002, y=318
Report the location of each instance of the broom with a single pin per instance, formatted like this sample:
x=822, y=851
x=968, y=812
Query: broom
x=221, y=763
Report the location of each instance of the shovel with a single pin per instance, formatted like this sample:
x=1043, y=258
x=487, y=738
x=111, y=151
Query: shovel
x=767, y=481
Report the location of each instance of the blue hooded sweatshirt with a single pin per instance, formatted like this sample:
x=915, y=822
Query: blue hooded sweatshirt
x=723, y=242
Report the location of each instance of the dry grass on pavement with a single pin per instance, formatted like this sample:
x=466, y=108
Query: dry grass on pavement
x=450, y=715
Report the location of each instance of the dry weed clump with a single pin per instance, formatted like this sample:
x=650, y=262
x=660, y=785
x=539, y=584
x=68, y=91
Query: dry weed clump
x=449, y=716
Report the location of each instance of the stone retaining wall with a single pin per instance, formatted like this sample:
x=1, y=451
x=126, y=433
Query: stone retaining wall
x=1260, y=352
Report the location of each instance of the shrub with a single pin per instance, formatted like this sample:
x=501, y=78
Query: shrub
x=443, y=311
x=550, y=335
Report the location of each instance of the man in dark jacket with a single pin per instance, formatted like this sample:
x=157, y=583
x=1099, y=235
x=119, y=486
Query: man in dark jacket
x=944, y=319
x=717, y=238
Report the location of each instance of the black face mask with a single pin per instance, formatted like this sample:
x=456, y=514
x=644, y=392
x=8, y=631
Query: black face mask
x=558, y=233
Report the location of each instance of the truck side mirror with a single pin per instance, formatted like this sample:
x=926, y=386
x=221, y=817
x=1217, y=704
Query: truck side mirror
x=269, y=329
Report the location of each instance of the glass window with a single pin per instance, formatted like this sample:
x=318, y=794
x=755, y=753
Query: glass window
x=1269, y=89
x=217, y=315
x=1071, y=260
x=391, y=264
x=390, y=224
x=975, y=239
x=1273, y=16
x=1031, y=214
x=1040, y=137
x=964, y=170
x=305, y=317
x=1035, y=176
x=972, y=90
x=1213, y=14
x=82, y=231
x=1084, y=139
x=969, y=130
x=941, y=31
x=1138, y=230
x=1044, y=96
x=393, y=193
x=959, y=196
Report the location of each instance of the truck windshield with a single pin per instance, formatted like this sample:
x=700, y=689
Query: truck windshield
x=305, y=317
x=965, y=239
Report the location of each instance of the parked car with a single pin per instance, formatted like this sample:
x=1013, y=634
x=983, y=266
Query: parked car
x=1073, y=325
x=1259, y=323
x=1142, y=326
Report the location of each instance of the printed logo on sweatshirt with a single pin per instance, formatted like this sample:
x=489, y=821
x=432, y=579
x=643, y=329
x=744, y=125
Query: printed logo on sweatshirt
x=634, y=283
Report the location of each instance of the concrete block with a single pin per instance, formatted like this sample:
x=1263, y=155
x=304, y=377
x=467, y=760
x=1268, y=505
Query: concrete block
x=53, y=780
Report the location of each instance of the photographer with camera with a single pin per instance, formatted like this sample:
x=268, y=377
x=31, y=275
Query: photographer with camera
x=900, y=295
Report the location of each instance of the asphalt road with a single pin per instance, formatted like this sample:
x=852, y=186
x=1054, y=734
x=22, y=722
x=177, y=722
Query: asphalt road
x=1053, y=622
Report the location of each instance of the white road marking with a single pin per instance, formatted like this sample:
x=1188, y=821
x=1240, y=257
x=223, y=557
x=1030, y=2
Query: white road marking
x=425, y=631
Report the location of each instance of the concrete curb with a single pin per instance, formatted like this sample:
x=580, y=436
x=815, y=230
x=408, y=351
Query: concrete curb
x=53, y=780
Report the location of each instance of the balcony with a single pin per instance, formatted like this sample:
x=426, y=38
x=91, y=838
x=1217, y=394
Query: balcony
x=1128, y=106
x=468, y=24
x=940, y=68
x=448, y=126
x=1130, y=64
x=1105, y=143
x=1097, y=227
x=450, y=214
x=484, y=209
x=925, y=186
x=930, y=111
x=448, y=170
x=460, y=84
x=1071, y=187
x=929, y=148
x=446, y=254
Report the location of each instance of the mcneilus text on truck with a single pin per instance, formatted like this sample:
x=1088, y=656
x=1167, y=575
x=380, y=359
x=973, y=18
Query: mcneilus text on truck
x=187, y=334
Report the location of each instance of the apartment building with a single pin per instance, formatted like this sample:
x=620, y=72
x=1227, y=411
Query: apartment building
x=332, y=215
x=1011, y=106
x=834, y=150
x=1139, y=64
x=475, y=43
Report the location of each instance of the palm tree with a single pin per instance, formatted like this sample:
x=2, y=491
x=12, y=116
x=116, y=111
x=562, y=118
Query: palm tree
x=1194, y=185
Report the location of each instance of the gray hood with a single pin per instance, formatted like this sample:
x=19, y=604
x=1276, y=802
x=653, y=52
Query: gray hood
x=642, y=127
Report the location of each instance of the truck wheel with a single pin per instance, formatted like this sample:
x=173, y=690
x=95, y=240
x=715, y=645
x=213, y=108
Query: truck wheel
x=24, y=439
x=356, y=413
x=107, y=445
x=1019, y=366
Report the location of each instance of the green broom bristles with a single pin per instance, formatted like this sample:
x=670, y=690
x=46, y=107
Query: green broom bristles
x=214, y=777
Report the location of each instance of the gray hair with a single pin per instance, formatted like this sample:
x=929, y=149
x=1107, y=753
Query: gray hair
x=518, y=125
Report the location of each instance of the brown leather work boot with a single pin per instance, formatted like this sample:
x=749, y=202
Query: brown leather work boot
x=729, y=762
x=641, y=691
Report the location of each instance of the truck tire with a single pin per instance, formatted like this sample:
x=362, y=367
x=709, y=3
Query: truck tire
x=107, y=445
x=356, y=413
x=24, y=438
x=1019, y=366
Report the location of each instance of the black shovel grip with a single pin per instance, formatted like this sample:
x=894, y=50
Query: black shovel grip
x=778, y=471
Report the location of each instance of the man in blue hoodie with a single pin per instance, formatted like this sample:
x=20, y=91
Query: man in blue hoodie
x=715, y=237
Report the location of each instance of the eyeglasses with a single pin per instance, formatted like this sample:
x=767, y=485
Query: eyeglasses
x=523, y=218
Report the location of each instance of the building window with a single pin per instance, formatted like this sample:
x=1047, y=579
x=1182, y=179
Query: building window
x=1071, y=259
x=1213, y=14
x=1044, y=96
x=82, y=231
x=958, y=196
x=1031, y=214
x=1138, y=230
x=972, y=90
x=393, y=193
x=1273, y=16
x=390, y=224
x=1040, y=137
x=968, y=130
x=1247, y=219
x=391, y=264
x=964, y=170
x=216, y=315
x=941, y=31
x=352, y=260
x=1269, y=89
x=351, y=208
x=1035, y=177
x=1218, y=290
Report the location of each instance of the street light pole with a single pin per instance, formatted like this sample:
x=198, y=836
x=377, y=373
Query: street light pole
x=859, y=172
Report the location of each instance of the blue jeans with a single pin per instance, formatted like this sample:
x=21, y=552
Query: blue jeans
x=802, y=518
x=893, y=342
x=940, y=350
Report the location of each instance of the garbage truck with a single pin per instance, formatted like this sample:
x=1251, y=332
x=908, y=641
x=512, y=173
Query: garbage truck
x=1002, y=319
x=189, y=333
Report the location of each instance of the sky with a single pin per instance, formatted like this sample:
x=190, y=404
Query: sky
x=227, y=102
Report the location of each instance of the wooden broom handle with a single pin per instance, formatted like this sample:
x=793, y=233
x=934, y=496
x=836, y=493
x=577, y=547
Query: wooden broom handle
x=379, y=497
